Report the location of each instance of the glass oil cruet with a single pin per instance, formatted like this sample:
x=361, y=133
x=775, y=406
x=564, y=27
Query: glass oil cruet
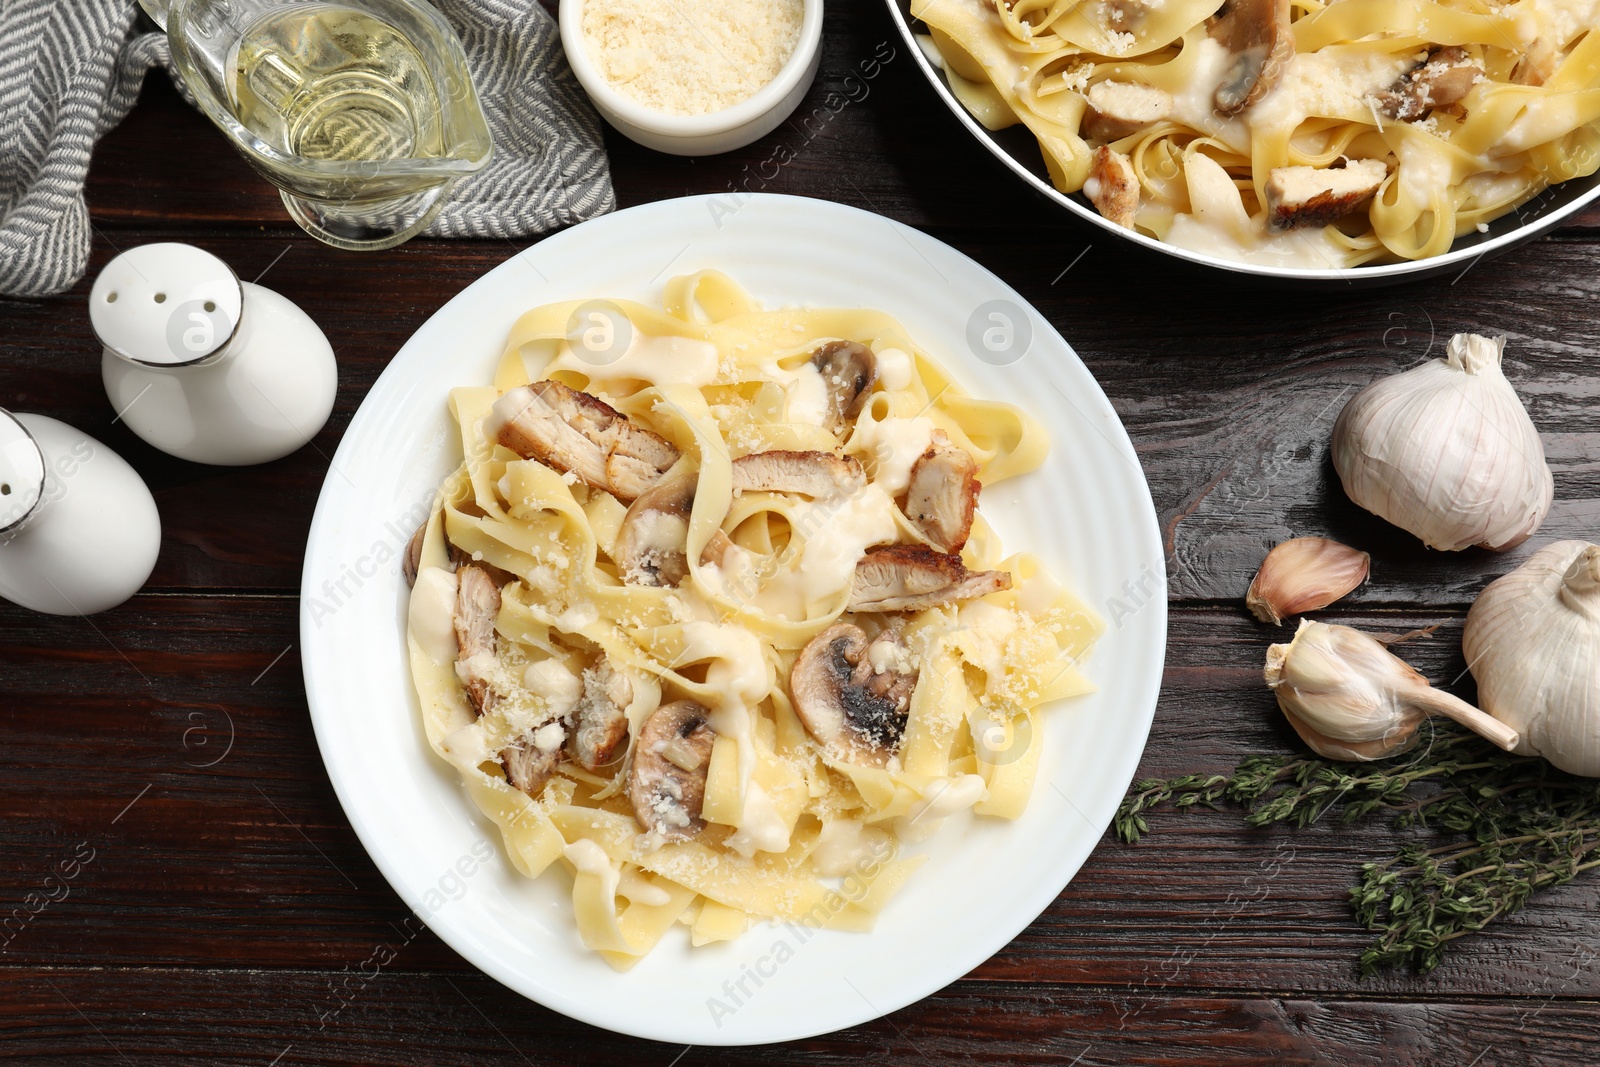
x=361, y=112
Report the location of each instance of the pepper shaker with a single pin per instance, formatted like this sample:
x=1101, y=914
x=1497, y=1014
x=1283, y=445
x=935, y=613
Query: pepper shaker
x=205, y=366
x=79, y=531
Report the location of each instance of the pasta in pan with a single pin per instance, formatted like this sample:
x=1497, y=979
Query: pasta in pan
x=707, y=614
x=1288, y=132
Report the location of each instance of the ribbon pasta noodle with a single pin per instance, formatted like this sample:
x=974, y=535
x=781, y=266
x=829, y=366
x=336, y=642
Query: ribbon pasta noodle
x=1288, y=132
x=626, y=670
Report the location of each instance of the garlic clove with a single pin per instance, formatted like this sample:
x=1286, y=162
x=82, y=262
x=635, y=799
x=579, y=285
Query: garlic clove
x=1532, y=641
x=1304, y=574
x=1447, y=451
x=1349, y=698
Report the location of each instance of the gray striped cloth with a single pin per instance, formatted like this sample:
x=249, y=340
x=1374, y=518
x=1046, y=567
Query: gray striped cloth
x=71, y=69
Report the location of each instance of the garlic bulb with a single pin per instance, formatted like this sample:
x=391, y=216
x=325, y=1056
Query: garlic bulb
x=1447, y=451
x=1304, y=574
x=1349, y=698
x=1533, y=643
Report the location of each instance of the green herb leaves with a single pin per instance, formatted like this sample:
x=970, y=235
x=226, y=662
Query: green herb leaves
x=1509, y=827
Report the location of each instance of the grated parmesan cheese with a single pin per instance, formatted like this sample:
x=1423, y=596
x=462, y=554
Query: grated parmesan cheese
x=690, y=59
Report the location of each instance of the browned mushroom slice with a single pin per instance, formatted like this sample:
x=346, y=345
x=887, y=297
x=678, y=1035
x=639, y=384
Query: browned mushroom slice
x=1117, y=109
x=600, y=725
x=477, y=604
x=667, y=782
x=1113, y=187
x=652, y=544
x=528, y=766
x=854, y=696
x=1443, y=80
x=571, y=431
x=914, y=577
x=819, y=475
x=1257, y=35
x=942, y=494
x=848, y=370
x=1317, y=196
x=412, y=560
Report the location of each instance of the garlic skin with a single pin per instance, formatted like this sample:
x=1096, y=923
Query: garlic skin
x=1533, y=643
x=1447, y=451
x=1304, y=574
x=1349, y=698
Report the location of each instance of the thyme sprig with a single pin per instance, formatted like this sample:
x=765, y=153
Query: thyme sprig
x=1518, y=827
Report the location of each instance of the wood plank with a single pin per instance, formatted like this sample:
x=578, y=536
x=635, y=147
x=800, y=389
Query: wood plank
x=250, y=862
x=403, y=1017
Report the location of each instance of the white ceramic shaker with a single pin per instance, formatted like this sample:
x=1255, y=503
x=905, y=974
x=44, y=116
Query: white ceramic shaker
x=205, y=366
x=79, y=532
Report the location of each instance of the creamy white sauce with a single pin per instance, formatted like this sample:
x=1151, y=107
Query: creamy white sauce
x=657, y=360
x=890, y=448
x=590, y=858
x=941, y=800
x=989, y=625
x=432, y=613
x=468, y=746
x=549, y=737
x=553, y=681
x=761, y=828
x=838, y=533
x=806, y=397
x=894, y=368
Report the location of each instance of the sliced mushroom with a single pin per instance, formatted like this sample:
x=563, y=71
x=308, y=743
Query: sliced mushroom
x=411, y=562
x=1443, y=80
x=819, y=475
x=1539, y=63
x=942, y=495
x=1112, y=186
x=652, y=544
x=529, y=765
x=854, y=696
x=666, y=794
x=601, y=724
x=848, y=370
x=1317, y=196
x=477, y=604
x=1257, y=35
x=1117, y=109
x=914, y=577
x=572, y=431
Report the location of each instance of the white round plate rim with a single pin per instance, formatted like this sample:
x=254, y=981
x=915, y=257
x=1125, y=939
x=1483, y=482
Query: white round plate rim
x=341, y=625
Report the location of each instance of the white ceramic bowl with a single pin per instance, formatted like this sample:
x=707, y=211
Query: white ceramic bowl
x=698, y=135
x=1019, y=150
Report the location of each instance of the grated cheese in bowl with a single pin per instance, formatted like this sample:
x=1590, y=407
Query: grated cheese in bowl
x=690, y=58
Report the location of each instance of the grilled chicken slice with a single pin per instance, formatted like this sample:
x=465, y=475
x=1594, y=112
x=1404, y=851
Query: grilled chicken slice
x=848, y=370
x=942, y=495
x=477, y=604
x=1317, y=196
x=1112, y=186
x=652, y=544
x=529, y=766
x=853, y=695
x=914, y=577
x=572, y=431
x=819, y=475
x=667, y=782
x=1258, y=36
x=1443, y=80
x=1117, y=109
x=601, y=724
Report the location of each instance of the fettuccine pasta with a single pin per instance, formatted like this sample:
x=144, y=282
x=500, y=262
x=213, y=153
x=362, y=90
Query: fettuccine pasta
x=1288, y=132
x=707, y=615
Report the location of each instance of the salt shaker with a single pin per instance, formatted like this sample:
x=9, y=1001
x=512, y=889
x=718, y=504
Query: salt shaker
x=205, y=366
x=79, y=532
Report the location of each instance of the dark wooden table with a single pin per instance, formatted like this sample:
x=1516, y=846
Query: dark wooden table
x=222, y=910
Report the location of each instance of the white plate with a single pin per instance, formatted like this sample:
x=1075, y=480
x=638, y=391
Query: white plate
x=1087, y=513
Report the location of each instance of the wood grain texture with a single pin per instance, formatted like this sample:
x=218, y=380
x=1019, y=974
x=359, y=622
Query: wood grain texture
x=228, y=903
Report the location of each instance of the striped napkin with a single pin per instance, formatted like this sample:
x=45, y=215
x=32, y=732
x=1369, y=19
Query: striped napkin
x=71, y=69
